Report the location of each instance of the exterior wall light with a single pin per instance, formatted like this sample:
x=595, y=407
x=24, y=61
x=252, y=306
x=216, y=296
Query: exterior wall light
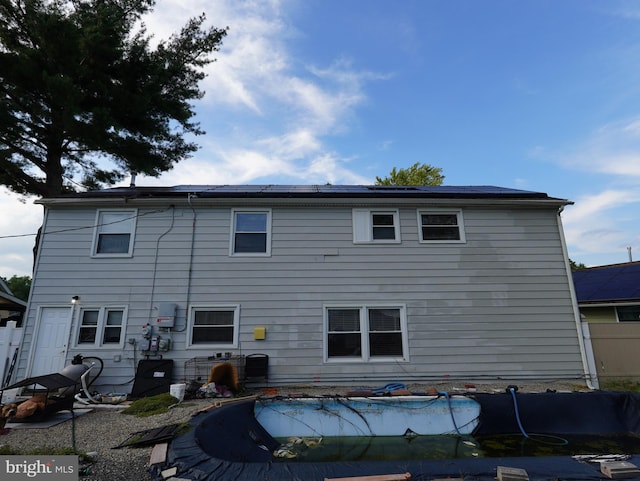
x=75, y=299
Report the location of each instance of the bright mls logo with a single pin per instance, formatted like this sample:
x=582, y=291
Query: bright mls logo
x=54, y=468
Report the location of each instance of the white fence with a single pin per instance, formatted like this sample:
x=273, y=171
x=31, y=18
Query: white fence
x=10, y=338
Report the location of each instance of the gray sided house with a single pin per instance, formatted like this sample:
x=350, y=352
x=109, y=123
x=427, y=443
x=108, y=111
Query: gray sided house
x=11, y=308
x=351, y=285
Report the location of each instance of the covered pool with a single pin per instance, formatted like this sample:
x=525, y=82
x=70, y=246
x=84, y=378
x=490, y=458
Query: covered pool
x=228, y=443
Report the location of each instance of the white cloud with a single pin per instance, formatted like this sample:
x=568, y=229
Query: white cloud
x=267, y=113
x=603, y=224
x=612, y=149
x=19, y=222
x=330, y=168
x=597, y=205
x=292, y=145
x=251, y=53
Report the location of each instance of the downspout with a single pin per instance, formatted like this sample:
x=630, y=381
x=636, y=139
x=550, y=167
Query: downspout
x=191, y=254
x=591, y=377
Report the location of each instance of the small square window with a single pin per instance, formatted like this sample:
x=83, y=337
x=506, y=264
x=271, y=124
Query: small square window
x=251, y=233
x=441, y=226
x=383, y=227
x=375, y=226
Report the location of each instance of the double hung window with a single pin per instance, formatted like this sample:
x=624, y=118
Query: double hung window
x=251, y=232
x=114, y=233
x=214, y=326
x=381, y=226
x=365, y=333
x=441, y=226
x=101, y=327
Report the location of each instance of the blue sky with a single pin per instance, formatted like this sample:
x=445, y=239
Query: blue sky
x=538, y=95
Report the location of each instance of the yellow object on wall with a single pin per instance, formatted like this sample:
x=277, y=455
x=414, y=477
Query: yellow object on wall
x=260, y=333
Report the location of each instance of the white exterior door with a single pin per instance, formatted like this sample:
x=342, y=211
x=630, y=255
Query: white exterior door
x=51, y=345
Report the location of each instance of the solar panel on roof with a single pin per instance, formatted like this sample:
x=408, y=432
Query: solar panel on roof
x=608, y=283
x=275, y=190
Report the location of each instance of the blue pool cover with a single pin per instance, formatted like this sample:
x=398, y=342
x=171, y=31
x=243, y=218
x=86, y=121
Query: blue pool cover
x=227, y=443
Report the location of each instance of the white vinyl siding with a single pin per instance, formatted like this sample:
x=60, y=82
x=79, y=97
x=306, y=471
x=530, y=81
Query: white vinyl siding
x=379, y=226
x=440, y=225
x=498, y=306
x=114, y=233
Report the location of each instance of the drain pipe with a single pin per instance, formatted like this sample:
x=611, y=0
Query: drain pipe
x=591, y=377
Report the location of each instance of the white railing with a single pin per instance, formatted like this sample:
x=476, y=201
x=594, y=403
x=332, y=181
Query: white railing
x=10, y=338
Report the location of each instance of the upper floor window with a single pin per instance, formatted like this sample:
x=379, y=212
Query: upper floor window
x=628, y=313
x=376, y=226
x=214, y=325
x=114, y=233
x=441, y=225
x=365, y=333
x=101, y=326
x=251, y=232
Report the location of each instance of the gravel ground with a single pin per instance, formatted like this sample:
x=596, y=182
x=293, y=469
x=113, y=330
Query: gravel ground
x=102, y=429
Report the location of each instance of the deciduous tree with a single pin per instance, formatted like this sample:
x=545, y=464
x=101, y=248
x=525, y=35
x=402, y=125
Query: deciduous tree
x=19, y=286
x=417, y=174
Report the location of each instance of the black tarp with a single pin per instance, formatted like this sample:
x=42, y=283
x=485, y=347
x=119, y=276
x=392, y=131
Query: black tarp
x=153, y=376
x=595, y=412
x=228, y=444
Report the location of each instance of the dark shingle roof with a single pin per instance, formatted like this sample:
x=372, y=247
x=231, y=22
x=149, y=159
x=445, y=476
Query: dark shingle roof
x=612, y=283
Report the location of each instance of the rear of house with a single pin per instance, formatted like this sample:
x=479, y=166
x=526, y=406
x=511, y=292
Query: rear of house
x=355, y=285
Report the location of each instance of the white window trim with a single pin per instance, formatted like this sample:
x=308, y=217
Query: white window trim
x=364, y=333
x=213, y=307
x=456, y=212
x=232, y=230
x=362, y=220
x=96, y=232
x=102, y=324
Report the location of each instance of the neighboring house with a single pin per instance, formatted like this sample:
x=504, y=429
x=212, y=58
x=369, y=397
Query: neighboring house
x=357, y=285
x=11, y=307
x=609, y=301
x=609, y=293
x=12, y=311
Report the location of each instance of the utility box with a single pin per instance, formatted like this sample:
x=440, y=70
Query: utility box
x=166, y=314
x=260, y=333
